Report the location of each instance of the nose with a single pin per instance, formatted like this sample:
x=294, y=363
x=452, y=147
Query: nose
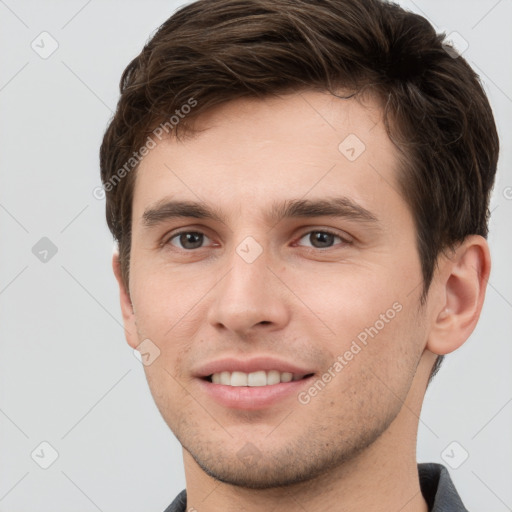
x=249, y=297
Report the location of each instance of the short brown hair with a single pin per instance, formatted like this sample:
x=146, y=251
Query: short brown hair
x=214, y=51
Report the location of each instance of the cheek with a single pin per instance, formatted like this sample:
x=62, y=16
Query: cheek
x=351, y=298
x=165, y=299
x=372, y=322
x=166, y=313
x=170, y=395
x=373, y=363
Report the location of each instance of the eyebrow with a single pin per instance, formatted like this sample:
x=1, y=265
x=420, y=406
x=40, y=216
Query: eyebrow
x=343, y=207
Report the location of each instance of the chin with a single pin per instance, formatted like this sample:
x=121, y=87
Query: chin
x=289, y=466
x=262, y=477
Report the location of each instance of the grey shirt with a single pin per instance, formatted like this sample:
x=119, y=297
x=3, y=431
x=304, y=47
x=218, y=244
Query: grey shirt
x=435, y=482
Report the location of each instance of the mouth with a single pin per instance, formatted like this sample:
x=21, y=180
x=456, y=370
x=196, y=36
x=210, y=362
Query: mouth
x=258, y=383
x=259, y=378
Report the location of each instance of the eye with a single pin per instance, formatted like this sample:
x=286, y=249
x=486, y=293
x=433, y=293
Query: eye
x=322, y=239
x=188, y=240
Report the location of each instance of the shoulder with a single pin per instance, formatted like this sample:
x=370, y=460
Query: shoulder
x=438, y=489
x=179, y=504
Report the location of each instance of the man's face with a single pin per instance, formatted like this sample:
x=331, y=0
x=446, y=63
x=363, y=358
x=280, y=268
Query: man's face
x=312, y=293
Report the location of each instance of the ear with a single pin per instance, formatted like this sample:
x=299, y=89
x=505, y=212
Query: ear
x=130, y=328
x=462, y=283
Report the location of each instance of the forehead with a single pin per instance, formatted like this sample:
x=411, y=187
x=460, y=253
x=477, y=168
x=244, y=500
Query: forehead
x=250, y=153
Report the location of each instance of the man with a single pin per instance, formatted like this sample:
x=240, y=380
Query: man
x=299, y=191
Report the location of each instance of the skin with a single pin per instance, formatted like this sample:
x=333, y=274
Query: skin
x=353, y=446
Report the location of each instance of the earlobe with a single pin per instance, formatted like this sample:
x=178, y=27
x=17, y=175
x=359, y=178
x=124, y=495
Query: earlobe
x=126, y=304
x=463, y=281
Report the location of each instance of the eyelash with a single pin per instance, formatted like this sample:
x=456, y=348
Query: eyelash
x=324, y=231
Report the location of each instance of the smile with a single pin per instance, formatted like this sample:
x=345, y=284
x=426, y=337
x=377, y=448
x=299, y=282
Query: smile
x=253, y=379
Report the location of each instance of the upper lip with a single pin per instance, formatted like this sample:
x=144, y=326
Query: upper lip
x=254, y=364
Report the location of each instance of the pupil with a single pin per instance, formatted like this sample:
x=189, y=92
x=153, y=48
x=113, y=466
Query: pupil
x=324, y=239
x=191, y=240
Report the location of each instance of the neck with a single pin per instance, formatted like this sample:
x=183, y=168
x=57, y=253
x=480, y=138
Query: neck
x=384, y=476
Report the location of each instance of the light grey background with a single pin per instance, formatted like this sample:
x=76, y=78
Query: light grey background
x=67, y=376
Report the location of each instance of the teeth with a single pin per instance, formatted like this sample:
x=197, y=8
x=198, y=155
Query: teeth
x=286, y=377
x=273, y=377
x=239, y=379
x=254, y=379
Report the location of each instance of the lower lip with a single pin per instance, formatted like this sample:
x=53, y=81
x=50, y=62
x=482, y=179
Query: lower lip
x=250, y=398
